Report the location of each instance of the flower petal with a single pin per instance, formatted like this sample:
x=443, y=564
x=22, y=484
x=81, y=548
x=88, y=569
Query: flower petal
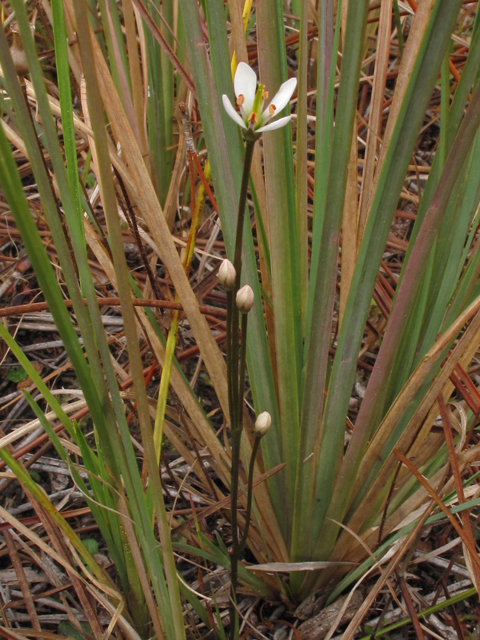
x=232, y=113
x=281, y=99
x=245, y=84
x=274, y=125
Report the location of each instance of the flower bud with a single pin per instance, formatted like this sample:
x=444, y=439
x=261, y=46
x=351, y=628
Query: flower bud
x=245, y=299
x=262, y=424
x=227, y=275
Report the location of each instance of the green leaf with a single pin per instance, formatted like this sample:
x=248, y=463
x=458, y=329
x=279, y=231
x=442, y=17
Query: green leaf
x=17, y=374
x=36, y=477
x=90, y=545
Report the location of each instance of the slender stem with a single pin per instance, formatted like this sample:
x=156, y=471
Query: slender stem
x=243, y=357
x=243, y=541
x=237, y=262
x=230, y=367
x=234, y=556
x=236, y=355
x=235, y=414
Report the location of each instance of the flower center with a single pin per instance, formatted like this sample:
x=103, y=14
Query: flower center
x=257, y=105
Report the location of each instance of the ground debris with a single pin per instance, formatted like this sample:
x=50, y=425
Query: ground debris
x=317, y=627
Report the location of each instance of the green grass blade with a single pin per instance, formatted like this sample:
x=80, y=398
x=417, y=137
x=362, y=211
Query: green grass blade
x=423, y=77
x=65, y=94
x=284, y=249
x=322, y=289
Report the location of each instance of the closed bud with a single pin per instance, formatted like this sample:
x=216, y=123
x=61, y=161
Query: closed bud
x=262, y=424
x=227, y=275
x=245, y=299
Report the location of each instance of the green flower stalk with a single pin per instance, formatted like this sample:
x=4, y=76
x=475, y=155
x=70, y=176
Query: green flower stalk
x=254, y=120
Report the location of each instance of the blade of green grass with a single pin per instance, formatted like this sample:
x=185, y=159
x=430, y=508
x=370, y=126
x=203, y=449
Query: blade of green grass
x=284, y=246
x=65, y=95
x=327, y=221
x=408, y=124
x=301, y=156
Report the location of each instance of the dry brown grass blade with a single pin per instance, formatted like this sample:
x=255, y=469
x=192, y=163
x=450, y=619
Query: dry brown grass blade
x=409, y=510
x=370, y=598
x=61, y=547
x=415, y=36
x=14, y=138
x=29, y=534
x=237, y=42
x=349, y=226
x=22, y=580
x=473, y=566
x=45, y=548
x=225, y=502
x=418, y=449
x=288, y=567
x=126, y=628
x=135, y=76
x=378, y=564
x=22, y=309
x=146, y=199
x=261, y=535
x=470, y=339
x=452, y=455
x=170, y=208
x=411, y=609
x=130, y=111
x=157, y=34
x=344, y=548
x=421, y=450
x=21, y=634
x=453, y=521
x=350, y=208
x=376, y=113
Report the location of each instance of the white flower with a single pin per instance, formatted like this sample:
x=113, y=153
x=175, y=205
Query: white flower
x=227, y=275
x=245, y=299
x=262, y=424
x=250, y=100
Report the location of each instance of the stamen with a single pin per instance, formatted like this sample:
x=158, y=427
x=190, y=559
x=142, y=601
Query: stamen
x=265, y=94
x=271, y=109
x=253, y=117
x=240, y=100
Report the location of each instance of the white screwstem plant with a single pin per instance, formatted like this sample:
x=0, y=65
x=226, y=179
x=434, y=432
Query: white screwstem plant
x=254, y=119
